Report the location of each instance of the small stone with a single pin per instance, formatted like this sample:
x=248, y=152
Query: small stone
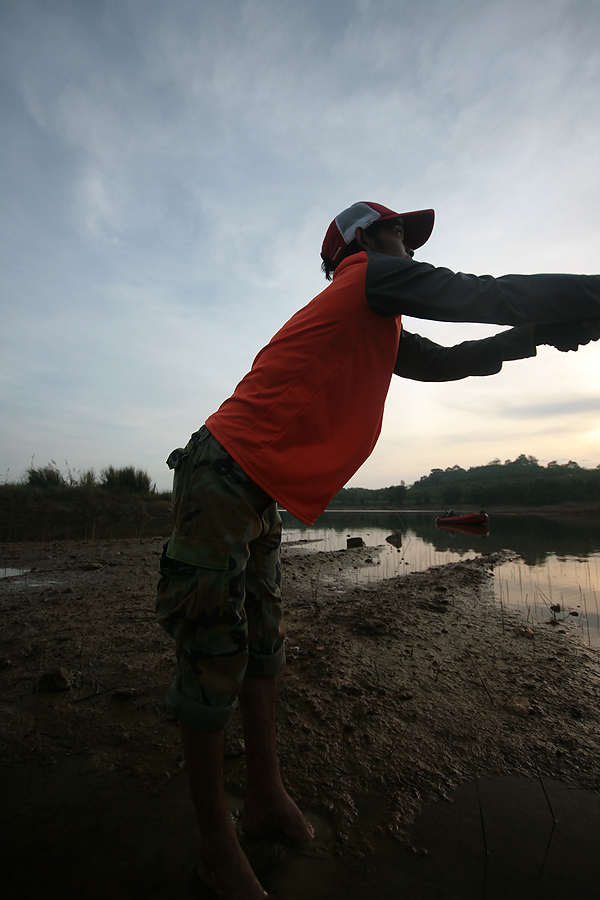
x=53, y=681
x=518, y=705
x=525, y=632
x=124, y=694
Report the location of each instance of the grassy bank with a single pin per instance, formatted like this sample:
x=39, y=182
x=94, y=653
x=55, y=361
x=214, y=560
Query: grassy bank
x=30, y=513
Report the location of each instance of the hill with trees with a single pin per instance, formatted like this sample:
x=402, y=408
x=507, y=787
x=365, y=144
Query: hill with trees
x=521, y=482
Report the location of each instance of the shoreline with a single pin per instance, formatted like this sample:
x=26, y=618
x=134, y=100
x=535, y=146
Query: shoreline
x=395, y=693
x=150, y=518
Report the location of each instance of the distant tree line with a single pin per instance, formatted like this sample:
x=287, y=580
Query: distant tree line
x=393, y=497
x=520, y=482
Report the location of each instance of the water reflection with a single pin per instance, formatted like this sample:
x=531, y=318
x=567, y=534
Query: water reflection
x=6, y=572
x=331, y=531
x=563, y=592
x=556, y=562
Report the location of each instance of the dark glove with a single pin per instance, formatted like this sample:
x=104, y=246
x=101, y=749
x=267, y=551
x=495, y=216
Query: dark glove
x=568, y=335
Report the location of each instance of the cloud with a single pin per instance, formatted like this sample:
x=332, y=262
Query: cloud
x=170, y=170
x=565, y=408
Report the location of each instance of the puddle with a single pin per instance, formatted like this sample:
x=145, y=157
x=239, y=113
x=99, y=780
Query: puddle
x=31, y=581
x=501, y=837
x=97, y=834
x=6, y=572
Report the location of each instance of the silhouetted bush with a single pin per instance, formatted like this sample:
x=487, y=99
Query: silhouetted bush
x=48, y=476
x=135, y=481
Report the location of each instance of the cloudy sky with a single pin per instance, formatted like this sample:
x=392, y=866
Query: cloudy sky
x=169, y=170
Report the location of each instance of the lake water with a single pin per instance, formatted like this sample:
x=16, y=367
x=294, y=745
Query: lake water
x=554, y=562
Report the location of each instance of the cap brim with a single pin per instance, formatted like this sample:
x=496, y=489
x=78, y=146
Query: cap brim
x=418, y=226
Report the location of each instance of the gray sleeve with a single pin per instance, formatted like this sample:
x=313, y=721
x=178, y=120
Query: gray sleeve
x=396, y=286
x=423, y=360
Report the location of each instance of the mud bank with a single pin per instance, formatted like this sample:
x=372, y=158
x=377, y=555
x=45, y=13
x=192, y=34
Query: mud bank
x=395, y=693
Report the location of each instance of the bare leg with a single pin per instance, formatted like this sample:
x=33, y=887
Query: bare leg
x=268, y=805
x=223, y=863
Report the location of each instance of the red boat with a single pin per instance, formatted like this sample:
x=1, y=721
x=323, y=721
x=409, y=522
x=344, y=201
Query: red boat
x=480, y=518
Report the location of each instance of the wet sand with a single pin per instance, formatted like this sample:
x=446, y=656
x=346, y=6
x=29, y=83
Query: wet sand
x=397, y=694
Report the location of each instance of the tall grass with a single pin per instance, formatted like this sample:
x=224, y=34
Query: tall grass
x=127, y=478
x=54, y=503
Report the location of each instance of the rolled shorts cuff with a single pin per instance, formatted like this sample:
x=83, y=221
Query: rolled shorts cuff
x=266, y=666
x=196, y=715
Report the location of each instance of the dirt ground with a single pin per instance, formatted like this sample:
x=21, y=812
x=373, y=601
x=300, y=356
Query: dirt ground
x=395, y=692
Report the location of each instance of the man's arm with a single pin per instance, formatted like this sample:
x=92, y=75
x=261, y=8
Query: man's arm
x=423, y=360
x=396, y=286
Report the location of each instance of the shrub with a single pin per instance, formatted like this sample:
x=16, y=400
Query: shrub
x=130, y=479
x=87, y=480
x=48, y=476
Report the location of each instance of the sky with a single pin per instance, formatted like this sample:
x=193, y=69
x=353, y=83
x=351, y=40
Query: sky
x=168, y=172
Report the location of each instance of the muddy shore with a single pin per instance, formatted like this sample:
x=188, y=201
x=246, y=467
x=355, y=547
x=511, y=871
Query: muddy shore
x=395, y=692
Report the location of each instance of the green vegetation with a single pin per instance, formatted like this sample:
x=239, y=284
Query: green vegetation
x=128, y=479
x=522, y=482
x=51, y=504
x=362, y=498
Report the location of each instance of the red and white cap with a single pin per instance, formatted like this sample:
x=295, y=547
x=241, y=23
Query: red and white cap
x=418, y=226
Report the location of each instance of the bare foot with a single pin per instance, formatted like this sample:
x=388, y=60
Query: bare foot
x=225, y=869
x=276, y=812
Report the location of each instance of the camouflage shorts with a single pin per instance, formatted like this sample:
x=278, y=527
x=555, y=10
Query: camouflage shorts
x=219, y=594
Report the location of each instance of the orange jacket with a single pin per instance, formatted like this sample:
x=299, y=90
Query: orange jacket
x=309, y=412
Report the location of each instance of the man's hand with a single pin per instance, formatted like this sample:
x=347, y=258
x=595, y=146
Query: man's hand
x=568, y=335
